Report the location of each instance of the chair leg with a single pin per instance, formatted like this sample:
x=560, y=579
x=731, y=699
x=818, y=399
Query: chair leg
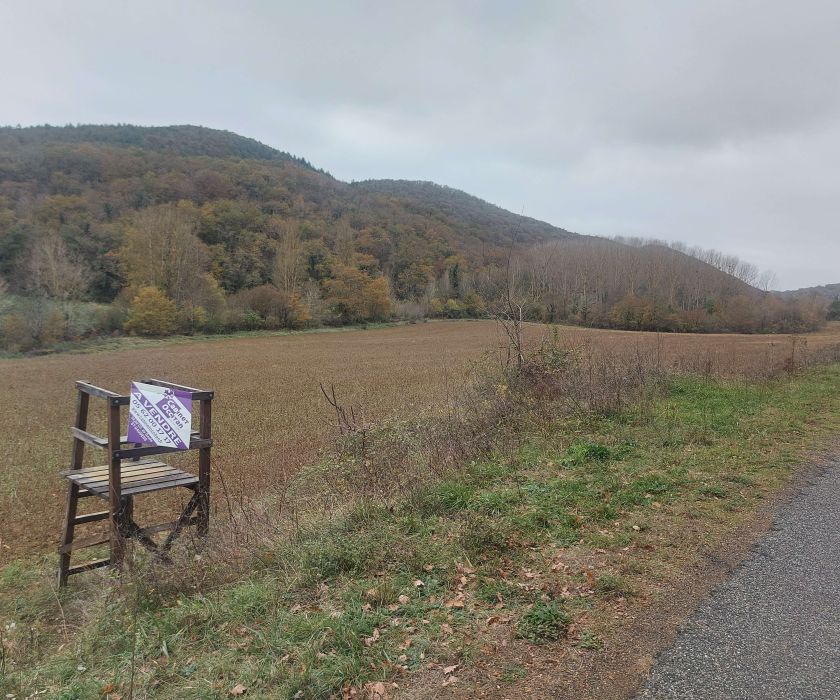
x=183, y=519
x=67, y=537
x=76, y=460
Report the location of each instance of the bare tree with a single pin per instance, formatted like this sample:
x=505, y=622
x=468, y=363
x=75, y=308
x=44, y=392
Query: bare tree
x=55, y=272
x=287, y=272
x=161, y=249
x=509, y=309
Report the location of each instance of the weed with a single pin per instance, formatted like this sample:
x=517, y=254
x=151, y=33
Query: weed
x=513, y=673
x=483, y=535
x=590, y=640
x=586, y=452
x=613, y=584
x=544, y=622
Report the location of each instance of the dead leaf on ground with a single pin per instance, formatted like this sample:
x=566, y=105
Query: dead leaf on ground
x=369, y=641
x=376, y=691
x=238, y=689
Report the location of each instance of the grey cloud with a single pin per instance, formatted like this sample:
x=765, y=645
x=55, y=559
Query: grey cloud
x=712, y=122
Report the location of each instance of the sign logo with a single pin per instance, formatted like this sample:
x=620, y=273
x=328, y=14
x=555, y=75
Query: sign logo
x=159, y=416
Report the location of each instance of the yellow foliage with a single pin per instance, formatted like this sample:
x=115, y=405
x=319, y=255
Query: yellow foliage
x=151, y=313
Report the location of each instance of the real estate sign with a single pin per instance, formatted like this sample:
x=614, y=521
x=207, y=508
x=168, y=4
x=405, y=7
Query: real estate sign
x=159, y=416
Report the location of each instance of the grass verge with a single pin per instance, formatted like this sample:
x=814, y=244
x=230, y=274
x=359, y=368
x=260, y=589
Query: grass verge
x=540, y=544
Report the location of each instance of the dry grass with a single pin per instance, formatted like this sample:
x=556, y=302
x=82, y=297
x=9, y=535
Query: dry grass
x=270, y=416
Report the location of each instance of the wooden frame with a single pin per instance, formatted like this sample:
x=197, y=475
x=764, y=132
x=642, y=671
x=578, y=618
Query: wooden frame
x=126, y=475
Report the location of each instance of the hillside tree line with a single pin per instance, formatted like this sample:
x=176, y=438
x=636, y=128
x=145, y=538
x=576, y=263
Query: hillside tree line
x=108, y=230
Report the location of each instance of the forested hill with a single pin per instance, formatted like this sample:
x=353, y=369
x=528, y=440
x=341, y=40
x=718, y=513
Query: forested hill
x=435, y=201
x=183, y=140
x=186, y=228
x=827, y=291
x=85, y=183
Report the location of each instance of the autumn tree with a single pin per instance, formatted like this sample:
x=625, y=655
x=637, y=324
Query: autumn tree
x=377, y=299
x=161, y=249
x=151, y=313
x=354, y=296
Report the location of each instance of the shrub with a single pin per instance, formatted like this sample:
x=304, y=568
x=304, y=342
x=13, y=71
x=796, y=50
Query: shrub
x=191, y=318
x=436, y=307
x=268, y=307
x=53, y=329
x=151, y=313
x=454, y=309
x=15, y=333
x=474, y=305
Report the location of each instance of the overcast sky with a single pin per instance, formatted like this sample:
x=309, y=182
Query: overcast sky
x=714, y=123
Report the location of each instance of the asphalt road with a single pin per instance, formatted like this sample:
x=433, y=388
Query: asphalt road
x=772, y=631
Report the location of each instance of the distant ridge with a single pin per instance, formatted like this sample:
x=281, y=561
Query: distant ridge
x=826, y=291
x=183, y=140
x=428, y=198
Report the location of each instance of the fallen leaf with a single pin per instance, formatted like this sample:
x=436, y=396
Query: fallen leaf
x=376, y=691
x=418, y=583
x=238, y=689
x=403, y=599
x=450, y=669
x=369, y=641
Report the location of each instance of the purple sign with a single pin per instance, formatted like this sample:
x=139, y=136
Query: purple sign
x=160, y=416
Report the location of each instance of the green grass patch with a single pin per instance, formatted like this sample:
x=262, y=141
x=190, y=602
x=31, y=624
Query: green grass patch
x=544, y=622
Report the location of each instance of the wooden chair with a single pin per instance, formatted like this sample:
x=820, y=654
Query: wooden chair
x=128, y=473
